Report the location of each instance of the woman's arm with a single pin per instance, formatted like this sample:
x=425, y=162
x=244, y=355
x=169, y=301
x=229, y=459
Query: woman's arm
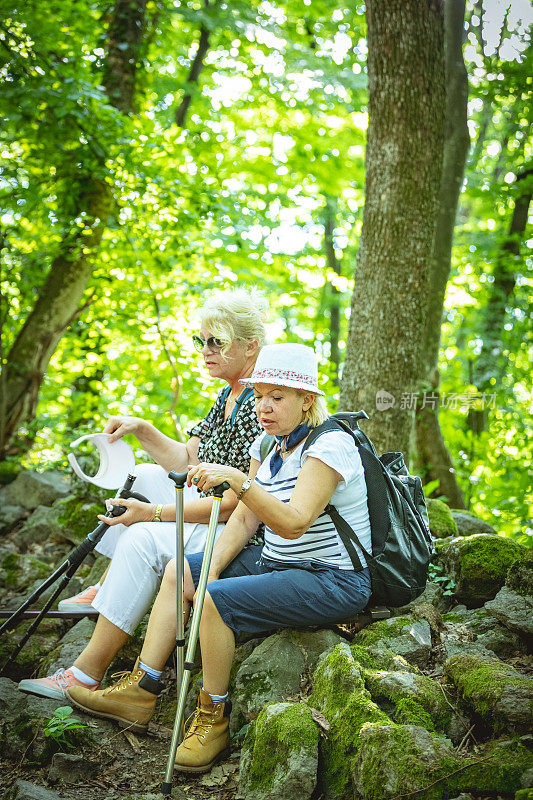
x=164, y=450
x=313, y=490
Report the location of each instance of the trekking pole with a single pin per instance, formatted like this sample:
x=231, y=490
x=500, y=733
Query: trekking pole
x=179, y=479
x=64, y=572
x=188, y=665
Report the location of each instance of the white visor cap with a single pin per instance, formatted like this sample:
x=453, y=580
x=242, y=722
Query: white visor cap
x=116, y=461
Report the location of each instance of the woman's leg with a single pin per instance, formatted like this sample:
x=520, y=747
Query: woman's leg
x=160, y=636
x=102, y=648
x=217, y=643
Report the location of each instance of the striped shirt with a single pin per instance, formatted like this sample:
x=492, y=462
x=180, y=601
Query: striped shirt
x=321, y=542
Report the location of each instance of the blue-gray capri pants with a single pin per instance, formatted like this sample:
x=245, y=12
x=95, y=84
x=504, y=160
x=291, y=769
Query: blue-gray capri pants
x=255, y=594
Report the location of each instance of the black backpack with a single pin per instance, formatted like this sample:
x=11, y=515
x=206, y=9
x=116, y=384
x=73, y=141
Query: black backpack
x=402, y=544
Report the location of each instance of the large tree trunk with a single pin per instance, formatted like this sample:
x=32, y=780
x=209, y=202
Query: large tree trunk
x=59, y=299
x=332, y=293
x=406, y=80
x=432, y=454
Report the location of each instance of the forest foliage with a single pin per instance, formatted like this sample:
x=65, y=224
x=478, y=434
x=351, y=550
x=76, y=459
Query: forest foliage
x=231, y=175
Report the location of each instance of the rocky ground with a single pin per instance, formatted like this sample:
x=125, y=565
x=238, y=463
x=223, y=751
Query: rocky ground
x=433, y=703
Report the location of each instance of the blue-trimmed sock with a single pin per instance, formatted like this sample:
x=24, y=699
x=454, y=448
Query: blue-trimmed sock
x=217, y=698
x=152, y=673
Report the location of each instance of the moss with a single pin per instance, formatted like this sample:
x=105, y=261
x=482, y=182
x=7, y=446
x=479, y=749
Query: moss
x=421, y=694
x=78, y=515
x=524, y=794
x=520, y=577
x=409, y=712
x=481, y=682
x=385, y=629
x=488, y=556
x=272, y=738
x=381, y=658
x=338, y=691
x=8, y=472
x=441, y=521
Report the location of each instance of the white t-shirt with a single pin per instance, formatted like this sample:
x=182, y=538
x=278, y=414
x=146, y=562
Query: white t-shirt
x=321, y=541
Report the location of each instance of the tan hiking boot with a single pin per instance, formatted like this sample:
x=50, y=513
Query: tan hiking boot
x=130, y=701
x=206, y=740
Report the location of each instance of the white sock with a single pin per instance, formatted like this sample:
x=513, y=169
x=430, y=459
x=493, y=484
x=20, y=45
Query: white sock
x=217, y=698
x=97, y=586
x=81, y=676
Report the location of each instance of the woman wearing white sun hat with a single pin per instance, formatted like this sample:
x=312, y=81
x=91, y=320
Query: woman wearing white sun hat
x=301, y=576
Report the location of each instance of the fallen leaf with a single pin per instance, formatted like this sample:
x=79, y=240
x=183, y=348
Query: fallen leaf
x=134, y=742
x=320, y=719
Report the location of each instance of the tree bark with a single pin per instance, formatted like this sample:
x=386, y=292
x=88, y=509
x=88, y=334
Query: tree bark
x=432, y=454
x=403, y=169
x=333, y=264
x=59, y=299
x=194, y=72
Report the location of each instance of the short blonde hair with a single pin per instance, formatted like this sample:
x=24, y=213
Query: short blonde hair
x=317, y=412
x=236, y=315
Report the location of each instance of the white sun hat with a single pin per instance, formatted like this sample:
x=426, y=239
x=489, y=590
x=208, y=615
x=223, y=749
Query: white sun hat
x=293, y=365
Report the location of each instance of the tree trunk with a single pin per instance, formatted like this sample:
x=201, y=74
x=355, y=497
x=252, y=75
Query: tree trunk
x=59, y=299
x=384, y=364
x=432, y=454
x=502, y=287
x=332, y=294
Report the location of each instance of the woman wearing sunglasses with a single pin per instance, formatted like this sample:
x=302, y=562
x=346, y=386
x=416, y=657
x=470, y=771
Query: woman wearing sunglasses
x=142, y=540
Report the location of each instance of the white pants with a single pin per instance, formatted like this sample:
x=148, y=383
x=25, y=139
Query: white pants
x=139, y=553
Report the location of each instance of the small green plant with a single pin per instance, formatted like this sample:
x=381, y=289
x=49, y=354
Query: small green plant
x=61, y=725
x=436, y=574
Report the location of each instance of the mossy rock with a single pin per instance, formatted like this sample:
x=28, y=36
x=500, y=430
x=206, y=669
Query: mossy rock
x=339, y=693
x=381, y=658
x=441, y=521
x=479, y=564
x=77, y=516
x=18, y=570
x=38, y=646
x=8, y=472
x=501, y=696
x=406, y=636
x=399, y=760
x=410, y=699
x=520, y=577
x=279, y=756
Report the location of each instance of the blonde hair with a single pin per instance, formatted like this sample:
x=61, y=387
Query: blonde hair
x=235, y=315
x=317, y=412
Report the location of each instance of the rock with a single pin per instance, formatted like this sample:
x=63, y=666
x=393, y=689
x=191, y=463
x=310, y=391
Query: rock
x=23, y=790
x=32, y=489
x=398, y=760
x=478, y=565
x=77, y=515
x=41, y=526
x=414, y=700
x=9, y=515
x=72, y=768
x=441, y=521
x=494, y=690
x=339, y=693
x=8, y=472
x=478, y=627
x=38, y=645
x=68, y=648
x=279, y=757
x=381, y=658
x=468, y=524
x=18, y=571
x=406, y=636
x=513, y=605
x=276, y=670
x=432, y=594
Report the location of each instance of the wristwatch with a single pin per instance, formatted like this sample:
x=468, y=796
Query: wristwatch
x=244, y=488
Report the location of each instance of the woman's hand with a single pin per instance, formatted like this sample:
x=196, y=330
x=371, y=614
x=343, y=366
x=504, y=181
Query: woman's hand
x=118, y=427
x=136, y=512
x=205, y=476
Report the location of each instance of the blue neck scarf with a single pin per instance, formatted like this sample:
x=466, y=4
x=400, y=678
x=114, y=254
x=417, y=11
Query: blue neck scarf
x=294, y=438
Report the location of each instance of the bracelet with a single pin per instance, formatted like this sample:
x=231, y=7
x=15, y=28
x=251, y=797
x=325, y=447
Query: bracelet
x=157, y=514
x=244, y=488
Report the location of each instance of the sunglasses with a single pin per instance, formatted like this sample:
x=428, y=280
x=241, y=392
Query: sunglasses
x=211, y=342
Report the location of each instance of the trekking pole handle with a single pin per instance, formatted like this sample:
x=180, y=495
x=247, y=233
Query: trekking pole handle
x=219, y=490
x=179, y=478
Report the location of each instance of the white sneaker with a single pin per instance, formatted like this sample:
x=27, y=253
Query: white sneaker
x=55, y=685
x=80, y=603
